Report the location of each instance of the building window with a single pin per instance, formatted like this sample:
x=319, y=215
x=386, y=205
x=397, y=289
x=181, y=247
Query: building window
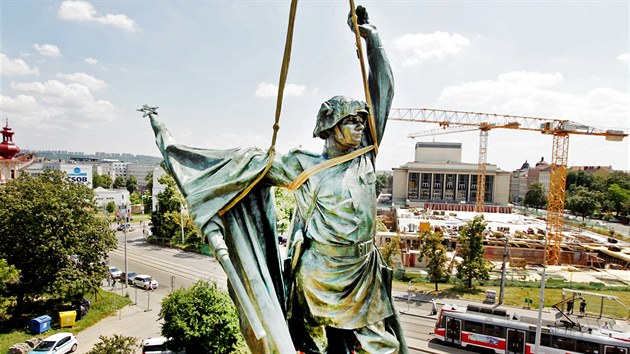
x=413, y=185
x=425, y=190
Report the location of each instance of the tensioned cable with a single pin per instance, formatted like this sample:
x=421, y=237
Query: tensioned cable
x=276, y=126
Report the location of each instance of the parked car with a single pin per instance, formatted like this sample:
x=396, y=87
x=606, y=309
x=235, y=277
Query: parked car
x=145, y=281
x=58, y=343
x=128, y=277
x=157, y=345
x=123, y=227
x=114, y=272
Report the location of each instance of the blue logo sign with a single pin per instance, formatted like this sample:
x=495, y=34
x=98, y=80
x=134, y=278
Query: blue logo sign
x=78, y=176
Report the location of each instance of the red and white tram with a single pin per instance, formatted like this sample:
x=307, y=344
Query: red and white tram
x=505, y=333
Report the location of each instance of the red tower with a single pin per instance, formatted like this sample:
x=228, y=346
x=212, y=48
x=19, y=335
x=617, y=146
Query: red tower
x=8, y=149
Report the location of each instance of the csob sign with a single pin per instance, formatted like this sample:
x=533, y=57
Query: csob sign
x=79, y=174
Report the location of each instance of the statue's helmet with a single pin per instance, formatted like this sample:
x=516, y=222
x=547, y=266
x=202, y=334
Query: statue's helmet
x=336, y=109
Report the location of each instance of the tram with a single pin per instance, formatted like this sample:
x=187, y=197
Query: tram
x=495, y=329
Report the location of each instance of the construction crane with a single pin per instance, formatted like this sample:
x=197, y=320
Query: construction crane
x=560, y=129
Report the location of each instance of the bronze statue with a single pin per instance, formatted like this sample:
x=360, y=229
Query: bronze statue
x=334, y=289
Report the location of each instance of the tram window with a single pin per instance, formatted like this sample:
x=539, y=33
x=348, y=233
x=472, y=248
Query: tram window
x=545, y=340
x=474, y=327
x=616, y=350
x=563, y=343
x=443, y=322
x=588, y=347
x=494, y=330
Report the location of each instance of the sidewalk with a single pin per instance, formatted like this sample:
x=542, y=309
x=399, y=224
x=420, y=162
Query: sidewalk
x=131, y=321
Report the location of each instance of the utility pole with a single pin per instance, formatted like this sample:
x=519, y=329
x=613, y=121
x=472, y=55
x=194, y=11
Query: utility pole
x=181, y=215
x=505, y=255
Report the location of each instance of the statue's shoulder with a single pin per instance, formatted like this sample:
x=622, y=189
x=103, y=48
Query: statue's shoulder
x=305, y=159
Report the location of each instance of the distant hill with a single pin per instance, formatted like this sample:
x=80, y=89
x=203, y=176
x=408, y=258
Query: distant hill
x=67, y=155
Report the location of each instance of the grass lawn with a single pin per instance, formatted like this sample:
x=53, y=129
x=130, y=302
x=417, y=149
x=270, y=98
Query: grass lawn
x=515, y=295
x=102, y=306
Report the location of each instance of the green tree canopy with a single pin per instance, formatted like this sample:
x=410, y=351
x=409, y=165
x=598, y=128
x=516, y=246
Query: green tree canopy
x=618, y=196
x=435, y=252
x=201, y=319
x=131, y=183
x=8, y=275
x=285, y=206
x=167, y=219
x=582, y=202
x=119, y=182
x=110, y=207
x=51, y=234
x=116, y=344
x=390, y=251
x=381, y=182
x=536, y=196
x=473, y=265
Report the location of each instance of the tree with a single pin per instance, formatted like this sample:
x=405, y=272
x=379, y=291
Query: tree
x=381, y=182
x=285, y=205
x=49, y=223
x=618, y=197
x=201, y=319
x=110, y=207
x=119, y=182
x=582, y=202
x=536, y=196
x=116, y=344
x=167, y=219
x=473, y=265
x=149, y=179
x=106, y=181
x=8, y=275
x=135, y=198
x=435, y=253
x=131, y=184
x=390, y=251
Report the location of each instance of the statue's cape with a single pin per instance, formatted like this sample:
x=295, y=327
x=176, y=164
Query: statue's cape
x=209, y=180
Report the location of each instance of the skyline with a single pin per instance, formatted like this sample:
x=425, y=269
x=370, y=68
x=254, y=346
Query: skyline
x=73, y=73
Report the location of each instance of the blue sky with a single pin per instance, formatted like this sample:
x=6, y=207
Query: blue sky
x=73, y=73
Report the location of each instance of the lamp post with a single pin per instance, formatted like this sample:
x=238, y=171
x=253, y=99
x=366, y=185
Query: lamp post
x=181, y=216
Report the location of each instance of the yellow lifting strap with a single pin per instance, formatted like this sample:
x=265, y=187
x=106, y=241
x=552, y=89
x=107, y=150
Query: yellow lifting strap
x=276, y=126
x=368, y=99
x=304, y=176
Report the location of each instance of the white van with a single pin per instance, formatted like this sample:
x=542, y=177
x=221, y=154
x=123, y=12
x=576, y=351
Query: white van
x=157, y=345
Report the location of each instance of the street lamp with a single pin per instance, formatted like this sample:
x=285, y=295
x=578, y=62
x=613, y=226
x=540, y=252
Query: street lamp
x=181, y=217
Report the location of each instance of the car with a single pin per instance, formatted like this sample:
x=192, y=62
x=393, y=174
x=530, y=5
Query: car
x=123, y=227
x=156, y=345
x=128, y=277
x=114, y=272
x=58, y=343
x=145, y=281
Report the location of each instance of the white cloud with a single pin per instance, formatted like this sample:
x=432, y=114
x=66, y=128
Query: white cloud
x=15, y=66
x=89, y=81
x=266, y=89
x=623, y=58
x=49, y=50
x=420, y=47
x=57, y=105
x=533, y=94
x=83, y=11
x=91, y=61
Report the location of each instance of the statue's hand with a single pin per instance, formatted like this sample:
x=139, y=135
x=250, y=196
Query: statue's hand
x=148, y=111
x=365, y=28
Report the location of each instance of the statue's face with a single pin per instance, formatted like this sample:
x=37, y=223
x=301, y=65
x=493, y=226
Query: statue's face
x=349, y=132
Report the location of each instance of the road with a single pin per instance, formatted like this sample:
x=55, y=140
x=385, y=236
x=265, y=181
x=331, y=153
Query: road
x=174, y=269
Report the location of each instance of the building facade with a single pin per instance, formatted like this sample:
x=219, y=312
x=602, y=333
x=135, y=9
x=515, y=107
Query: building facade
x=438, y=176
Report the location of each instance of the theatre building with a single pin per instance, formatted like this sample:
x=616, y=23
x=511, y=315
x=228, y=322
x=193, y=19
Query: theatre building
x=437, y=179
